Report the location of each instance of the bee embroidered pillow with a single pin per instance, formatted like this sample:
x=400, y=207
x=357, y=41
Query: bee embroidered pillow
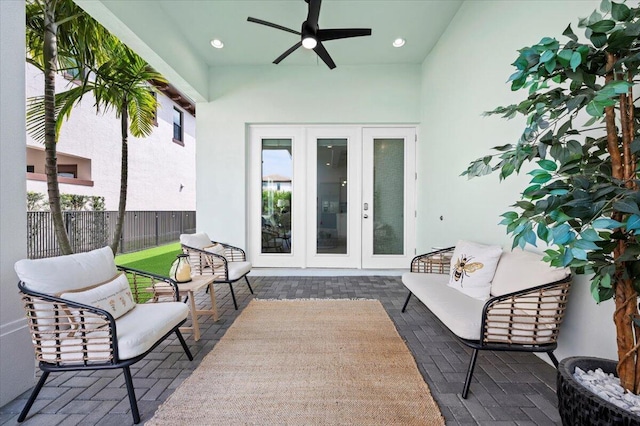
x=472, y=268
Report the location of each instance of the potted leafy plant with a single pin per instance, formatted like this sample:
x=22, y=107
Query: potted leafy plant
x=582, y=134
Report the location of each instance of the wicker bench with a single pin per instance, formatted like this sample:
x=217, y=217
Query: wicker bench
x=525, y=318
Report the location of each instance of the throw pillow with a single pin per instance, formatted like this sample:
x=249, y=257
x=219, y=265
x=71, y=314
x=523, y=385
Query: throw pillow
x=216, y=249
x=113, y=296
x=472, y=268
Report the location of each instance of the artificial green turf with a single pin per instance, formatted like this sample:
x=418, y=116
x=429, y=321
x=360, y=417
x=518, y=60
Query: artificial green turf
x=156, y=260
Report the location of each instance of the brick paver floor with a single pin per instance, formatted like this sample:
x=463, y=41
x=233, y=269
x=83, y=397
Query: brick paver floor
x=508, y=388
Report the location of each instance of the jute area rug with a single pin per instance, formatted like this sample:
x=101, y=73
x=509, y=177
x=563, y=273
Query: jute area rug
x=305, y=362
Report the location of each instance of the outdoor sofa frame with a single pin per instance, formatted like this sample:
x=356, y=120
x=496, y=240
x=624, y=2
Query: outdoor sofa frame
x=501, y=327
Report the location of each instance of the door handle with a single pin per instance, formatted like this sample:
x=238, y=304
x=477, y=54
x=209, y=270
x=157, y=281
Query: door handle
x=366, y=216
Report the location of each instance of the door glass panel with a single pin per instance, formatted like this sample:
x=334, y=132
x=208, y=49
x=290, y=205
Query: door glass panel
x=388, y=196
x=331, y=214
x=277, y=174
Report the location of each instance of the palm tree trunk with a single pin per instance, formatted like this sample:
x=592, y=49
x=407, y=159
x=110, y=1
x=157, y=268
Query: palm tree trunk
x=50, y=51
x=124, y=165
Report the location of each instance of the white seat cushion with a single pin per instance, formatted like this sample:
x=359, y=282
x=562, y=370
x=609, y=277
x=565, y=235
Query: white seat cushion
x=55, y=275
x=198, y=240
x=460, y=313
x=238, y=269
x=137, y=331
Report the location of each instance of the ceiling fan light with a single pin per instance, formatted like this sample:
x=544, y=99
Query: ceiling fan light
x=399, y=42
x=218, y=44
x=309, y=42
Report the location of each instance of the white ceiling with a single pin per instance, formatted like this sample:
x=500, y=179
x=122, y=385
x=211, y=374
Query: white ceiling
x=177, y=30
x=420, y=22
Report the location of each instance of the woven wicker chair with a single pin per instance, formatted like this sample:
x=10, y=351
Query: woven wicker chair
x=71, y=335
x=527, y=320
x=228, y=264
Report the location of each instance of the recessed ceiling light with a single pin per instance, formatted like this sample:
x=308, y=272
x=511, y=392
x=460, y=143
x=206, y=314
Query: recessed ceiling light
x=218, y=44
x=328, y=164
x=399, y=42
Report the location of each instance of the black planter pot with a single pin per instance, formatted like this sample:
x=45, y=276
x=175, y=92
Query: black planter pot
x=578, y=405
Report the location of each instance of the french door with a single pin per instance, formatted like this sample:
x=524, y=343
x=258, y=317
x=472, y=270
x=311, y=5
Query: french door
x=331, y=196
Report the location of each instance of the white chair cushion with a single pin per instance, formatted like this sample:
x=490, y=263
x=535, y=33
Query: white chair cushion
x=238, y=269
x=460, y=313
x=137, y=332
x=519, y=270
x=113, y=296
x=55, y=275
x=199, y=240
x=472, y=268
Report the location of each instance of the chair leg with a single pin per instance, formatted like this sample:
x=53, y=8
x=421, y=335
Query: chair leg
x=233, y=296
x=553, y=358
x=248, y=284
x=132, y=395
x=467, y=382
x=184, y=345
x=32, y=398
x=406, y=302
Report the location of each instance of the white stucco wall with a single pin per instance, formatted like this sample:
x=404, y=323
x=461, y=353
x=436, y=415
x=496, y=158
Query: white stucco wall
x=284, y=95
x=464, y=76
x=17, y=365
x=157, y=165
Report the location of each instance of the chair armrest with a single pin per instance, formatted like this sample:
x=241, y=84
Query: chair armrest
x=434, y=262
x=206, y=263
x=144, y=284
x=529, y=317
x=67, y=333
x=233, y=253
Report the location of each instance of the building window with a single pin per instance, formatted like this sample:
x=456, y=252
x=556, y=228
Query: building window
x=155, y=111
x=68, y=170
x=178, y=124
x=31, y=168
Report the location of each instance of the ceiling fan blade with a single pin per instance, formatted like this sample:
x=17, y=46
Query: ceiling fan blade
x=324, y=55
x=336, y=33
x=288, y=52
x=272, y=25
x=314, y=13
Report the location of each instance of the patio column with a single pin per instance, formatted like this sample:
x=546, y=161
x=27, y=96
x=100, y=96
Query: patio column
x=17, y=366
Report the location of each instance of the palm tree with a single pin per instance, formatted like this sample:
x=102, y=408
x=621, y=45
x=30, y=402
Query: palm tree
x=122, y=84
x=117, y=77
x=59, y=36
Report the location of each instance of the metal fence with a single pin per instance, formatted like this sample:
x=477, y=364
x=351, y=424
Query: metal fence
x=89, y=230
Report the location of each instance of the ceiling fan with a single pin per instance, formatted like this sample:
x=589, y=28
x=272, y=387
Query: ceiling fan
x=311, y=37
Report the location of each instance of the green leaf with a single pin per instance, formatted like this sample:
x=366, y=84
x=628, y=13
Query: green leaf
x=605, y=6
x=507, y=170
x=602, y=26
x=541, y=178
x=578, y=253
x=547, y=55
x=550, y=65
x=590, y=235
x=606, y=223
x=620, y=12
x=548, y=165
x=569, y=33
x=626, y=206
x=633, y=222
x=586, y=245
x=525, y=205
x=543, y=232
x=564, y=56
x=510, y=215
x=575, y=61
x=606, y=281
x=598, y=39
x=595, y=109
